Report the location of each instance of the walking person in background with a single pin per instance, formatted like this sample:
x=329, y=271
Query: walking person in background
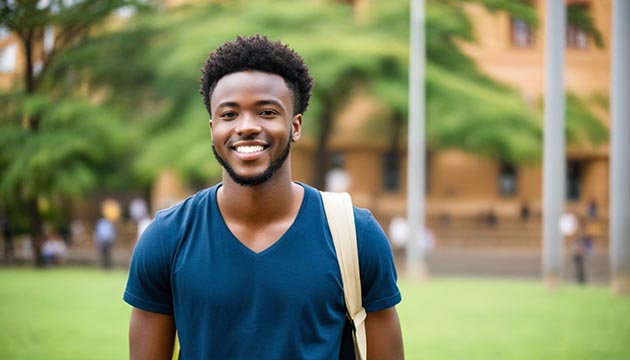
x=591, y=209
x=104, y=238
x=247, y=268
x=582, y=247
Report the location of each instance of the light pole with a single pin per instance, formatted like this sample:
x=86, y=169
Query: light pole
x=620, y=150
x=554, y=158
x=416, y=162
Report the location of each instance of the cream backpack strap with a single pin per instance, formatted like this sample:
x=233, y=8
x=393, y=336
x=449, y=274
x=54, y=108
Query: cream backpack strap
x=340, y=215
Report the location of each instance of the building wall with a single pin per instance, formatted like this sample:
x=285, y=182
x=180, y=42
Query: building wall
x=587, y=73
x=457, y=175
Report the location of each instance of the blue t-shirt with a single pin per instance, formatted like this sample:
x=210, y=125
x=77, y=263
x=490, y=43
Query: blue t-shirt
x=229, y=302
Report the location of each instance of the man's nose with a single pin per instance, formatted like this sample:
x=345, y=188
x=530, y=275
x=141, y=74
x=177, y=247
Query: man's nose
x=248, y=124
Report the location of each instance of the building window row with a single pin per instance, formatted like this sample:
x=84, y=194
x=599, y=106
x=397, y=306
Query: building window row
x=522, y=34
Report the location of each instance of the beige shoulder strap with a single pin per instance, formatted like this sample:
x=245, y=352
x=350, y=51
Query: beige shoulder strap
x=340, y=215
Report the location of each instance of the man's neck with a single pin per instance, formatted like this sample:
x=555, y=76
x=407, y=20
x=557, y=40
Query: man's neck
x=267, y=202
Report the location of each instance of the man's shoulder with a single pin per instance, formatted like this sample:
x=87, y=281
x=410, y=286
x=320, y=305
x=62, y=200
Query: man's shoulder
x=362, y=215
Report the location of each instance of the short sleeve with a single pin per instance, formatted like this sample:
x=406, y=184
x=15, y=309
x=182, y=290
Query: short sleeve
x=149, y=283
x=376, y=264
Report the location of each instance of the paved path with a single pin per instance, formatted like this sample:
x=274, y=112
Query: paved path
x=441, y=262
x=505, y=263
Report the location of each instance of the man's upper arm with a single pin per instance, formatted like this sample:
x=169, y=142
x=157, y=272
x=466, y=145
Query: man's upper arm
x=151, y=335
x=384, y=337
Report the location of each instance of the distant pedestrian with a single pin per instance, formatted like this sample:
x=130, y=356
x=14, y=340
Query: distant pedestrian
x=492, y=220
x=582, y=246
x=104, y=237
x=525, y=211
x=568, y=224
x=53, y=249
x=591, y=209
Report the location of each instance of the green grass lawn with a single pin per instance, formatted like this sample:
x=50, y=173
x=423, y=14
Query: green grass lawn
x=79, y=314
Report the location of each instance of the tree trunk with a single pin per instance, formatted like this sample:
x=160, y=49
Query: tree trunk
x=30, y=85
x=32, y=123
x=37, y=230
x=321, y=152
x=29, y=76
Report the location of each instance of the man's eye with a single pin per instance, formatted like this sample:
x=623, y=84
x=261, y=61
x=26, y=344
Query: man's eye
x=228, y=114
x=268, y=113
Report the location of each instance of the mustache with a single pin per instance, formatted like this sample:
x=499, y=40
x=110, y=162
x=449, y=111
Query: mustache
x=254, y=137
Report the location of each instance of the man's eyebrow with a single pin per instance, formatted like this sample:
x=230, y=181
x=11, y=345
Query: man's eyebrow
x=228, y=104
x=268, y=102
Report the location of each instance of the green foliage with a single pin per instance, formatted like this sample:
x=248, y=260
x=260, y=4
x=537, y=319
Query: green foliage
x=578, y=15
x=519, y=9
x=479, y=118
x=68, y=17
x=582, y=127
x=156, y=85
x=55, y=142
x=60, y=159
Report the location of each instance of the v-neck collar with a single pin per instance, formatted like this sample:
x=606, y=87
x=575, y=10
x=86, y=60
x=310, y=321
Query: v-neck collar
x=238, y=244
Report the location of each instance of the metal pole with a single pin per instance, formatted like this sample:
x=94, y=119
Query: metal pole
x=554, y=159
x=416, y=147
x=620, y=150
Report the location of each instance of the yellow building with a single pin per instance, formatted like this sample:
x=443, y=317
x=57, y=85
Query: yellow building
x=464, y=189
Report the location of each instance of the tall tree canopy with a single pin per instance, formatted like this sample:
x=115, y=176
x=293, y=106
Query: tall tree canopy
x=55, y=140
x=465, y=109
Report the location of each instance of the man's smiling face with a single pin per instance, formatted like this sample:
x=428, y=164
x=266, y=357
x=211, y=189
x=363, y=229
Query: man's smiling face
x=253, y=125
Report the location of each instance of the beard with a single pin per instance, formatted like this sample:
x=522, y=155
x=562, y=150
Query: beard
x=254, y=180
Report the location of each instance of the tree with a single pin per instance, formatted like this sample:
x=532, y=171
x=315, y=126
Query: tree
x=52, y=140
x=345, y=54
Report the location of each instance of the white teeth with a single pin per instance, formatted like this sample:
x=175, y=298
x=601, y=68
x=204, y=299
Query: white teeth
x=249, y=149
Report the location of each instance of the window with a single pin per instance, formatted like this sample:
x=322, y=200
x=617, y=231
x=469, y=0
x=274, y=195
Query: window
x=521, y=33
x=391, y=166
x=574, y=180
x=576, y=37
x=507, y=179
x=8, y=58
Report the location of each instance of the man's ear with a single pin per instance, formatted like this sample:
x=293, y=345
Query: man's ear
x=296, y=124
x=210, y=123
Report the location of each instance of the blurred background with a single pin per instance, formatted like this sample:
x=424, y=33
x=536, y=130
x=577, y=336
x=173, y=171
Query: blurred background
x=102, y=124
x=99, y=100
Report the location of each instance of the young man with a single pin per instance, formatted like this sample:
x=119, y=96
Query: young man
x=247, y=269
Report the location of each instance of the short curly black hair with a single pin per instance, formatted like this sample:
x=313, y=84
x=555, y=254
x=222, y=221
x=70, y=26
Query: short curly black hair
x=258, y=53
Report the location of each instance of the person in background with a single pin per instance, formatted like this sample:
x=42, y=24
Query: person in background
x=582, y=247
x=53, y=249
x=525, y=211
x=104, y=238
x=591, y=209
